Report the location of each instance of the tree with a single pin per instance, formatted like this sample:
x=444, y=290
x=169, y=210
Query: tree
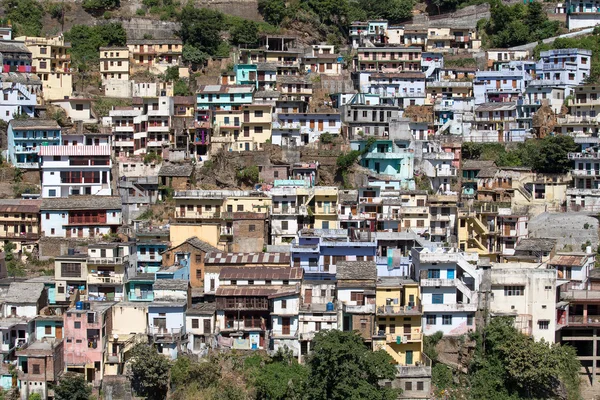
x=35, y=396
x=13, y=265
x=553, y=154
x=100, y=5
x=87, y=40
x=281, y=381
x=511, y=365
x=72, y=387
x=172, y=74
x=150, y=372
x=25, y=15
x=341, y=368
x=245, y=34
x=201, y=28
x=181, y=88
x=193, y=55
x=273, y=11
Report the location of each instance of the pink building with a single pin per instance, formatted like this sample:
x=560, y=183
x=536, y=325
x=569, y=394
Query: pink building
x=453, y=147
x=86, y=332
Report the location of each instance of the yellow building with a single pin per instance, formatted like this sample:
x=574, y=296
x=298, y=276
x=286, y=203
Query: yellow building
x=227, y=128
x=51, y=58
x=398, y=322
x=114, y=63
x=256, y=127
x=129, y=324
x=324, y=207
x=20, y=224
x=477, y=230
x=155, y=55
x=246, y=203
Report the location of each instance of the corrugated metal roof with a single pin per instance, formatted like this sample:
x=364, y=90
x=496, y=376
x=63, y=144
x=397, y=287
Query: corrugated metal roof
x=247, y=258
x=266, y=273
x=75, y=150
x=246, y=291
x=569, y=260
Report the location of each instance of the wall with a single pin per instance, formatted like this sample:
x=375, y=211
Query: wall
x=459, y=324
x=175, y=316
x=129, y=319
x=40, y=328
x=196, y=262
x=182, y=232
x=246, y=241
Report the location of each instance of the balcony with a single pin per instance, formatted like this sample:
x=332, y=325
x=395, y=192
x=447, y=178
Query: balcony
x=399, y=310
x=414, y=210
x=26, y=150
x=22, y=235
x=158, y=143
x=98, y=279
x=469, y=307
x=108, y=260
x=446, y=172
x=370, y=200
x=197, y=215
x=143, y=296
x=27, y=165
x=434, y=282
x=400, y=337
x=286, y=210
x=437, y=231
x=165, y=335
x=359, y=309
x=440, y=217
x=584, y=156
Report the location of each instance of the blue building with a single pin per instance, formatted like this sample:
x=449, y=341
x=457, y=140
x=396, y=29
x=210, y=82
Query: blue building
x=26, y=136
x=318, y=250
x=223, y=97
x=140, y=287
x=246, y=74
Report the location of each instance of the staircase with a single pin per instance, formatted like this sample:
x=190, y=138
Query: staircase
x=477, y=223
x=464, y=289
x=526, y=193
x=443, y=127
x=395, y=356
x=430, y=70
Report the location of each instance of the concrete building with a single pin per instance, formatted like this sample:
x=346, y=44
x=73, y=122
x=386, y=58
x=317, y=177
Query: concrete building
x=355, y=287
x=26, y=137
x=17, y=99
x=114, y=63
x=20, y=224
x=200, y=322
x=51, y=58
x=449, y=284
x=154, y=55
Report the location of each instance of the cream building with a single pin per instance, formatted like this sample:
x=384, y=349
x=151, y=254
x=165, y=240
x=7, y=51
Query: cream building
x=114, y=63
x=51, y=58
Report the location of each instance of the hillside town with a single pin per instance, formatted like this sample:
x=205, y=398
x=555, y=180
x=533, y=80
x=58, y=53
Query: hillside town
x=387, y=189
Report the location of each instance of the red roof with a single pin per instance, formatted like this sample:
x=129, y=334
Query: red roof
x=75, y=151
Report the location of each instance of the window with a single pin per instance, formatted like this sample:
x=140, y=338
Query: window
x=258, y=114
x=407, y=385
x=91, y=318
x=79, y=107
x=195, y=323
x=283, y=304
x=70, y=270
x=258, y=129
x=251, y=228
x=240, y=207
x=514, y=290
x=284, y=225
x=61, y=290
x=420, y=385
x=446, y=319
x=544, y=324
x=433, y=274
x=77, y=325
x=35, y=369
x=358, y=297
x=469, y=320
x=48, y=330
x=199, y=258
x=437, y=298
x=199, y=274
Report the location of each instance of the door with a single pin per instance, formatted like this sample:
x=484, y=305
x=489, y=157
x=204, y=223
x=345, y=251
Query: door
x=321, y=67
x=106, y=65
x=182, y=211
x=160, y=325
x=285, y=325
x=307, y=296
x=312, y=124
x=58, y=332
x=224, y=80
x=409, y=357
x=207, y=330
x=407, y=330
x=79, y=232
x=320, y=124
x=450, y=274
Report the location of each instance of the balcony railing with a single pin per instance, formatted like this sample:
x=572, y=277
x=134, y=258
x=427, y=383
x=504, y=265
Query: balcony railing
x=399, y=310
x=196, y=215
x=108, y=260
x=99, y=279
x=400, y=337
x=435, y=282
x=359, y=309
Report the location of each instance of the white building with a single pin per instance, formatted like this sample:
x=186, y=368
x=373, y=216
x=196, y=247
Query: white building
x=449, y=283
x=566, y=67
x=16, y=100
x=581, y=14
x=199, y=322
x=527, y=292
x=80, y=166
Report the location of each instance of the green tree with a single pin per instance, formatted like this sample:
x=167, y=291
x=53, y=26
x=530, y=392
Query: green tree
x=201, y=28
x=341, y=367
x=35, y=396
x=72, y=387
x=248, y=175
x=273, y=11
x=194, y=55
x=25, y=15
x=172, y=74
x=150, y=372
x=281, y=381
x=100, y=5
x=245, y=34
x=13, y=264
x=87, y=40
x=181, y=88
x=553, y=154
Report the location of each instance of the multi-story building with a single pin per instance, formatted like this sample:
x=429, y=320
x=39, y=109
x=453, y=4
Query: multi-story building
x=80, y=166
x=221, y=97
x=374, y=32
x=114, y=63
x=52, y=61
x=27, y=136
x=41, y=363
x=16, y=57
x=256, y=127
x=506, y=84
x=319, y=250
x=398, y=320
x=323, y=60
x=200, y=321
x=20, y=224
x=280, y=50
x=191, y=254
x=17, y=99
x=391, y=59
x=70, y=276
x=528, y=293
x=368, y=120
x=304, y=128
x=355, y=287
x=585, y=193
x=295, y=88
x=109, y=265
x=80, y=216
x=128, y=328
x=496, y=122
x=449, y=284
x=453, y=39
x=155, y=55
x=87, y=333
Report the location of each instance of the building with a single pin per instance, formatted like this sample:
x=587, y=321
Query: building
x=114, y=63
x=200, y=321
x=80, y=216
x=527, y=293
x=41, y=362
x=20, y=224
x=449, y=284
x=129, y=324
x=26, y=137
x=190, y=253
x=17, y=99
x=82, y=165
x=70, y=275
x=52, y=62
x=16, y=57
x=87, y=333
x=355, y=292
x=154, y=55
x=110, y=265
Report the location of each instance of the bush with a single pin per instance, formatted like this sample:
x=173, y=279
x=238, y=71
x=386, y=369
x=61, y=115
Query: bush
x=248, y=175
x=25, y=16
x=99, y=5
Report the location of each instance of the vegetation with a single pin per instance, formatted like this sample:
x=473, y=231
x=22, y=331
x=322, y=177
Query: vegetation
x=100, y=5
x=513, y=25
x=25, y=16
x=548, y=155
x=511, y=365
x=347, y=160
x=72, y=387
x=342, y=367
x=326, y=138
x=102, y=105
x=245, y=34
x=87, y=40
x=14, y=266
x=150, y=372
x=181, y=87
x=248, y=175
x=460, y=62
x=152, y=157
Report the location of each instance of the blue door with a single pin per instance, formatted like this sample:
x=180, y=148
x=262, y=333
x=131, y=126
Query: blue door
x=450, y=274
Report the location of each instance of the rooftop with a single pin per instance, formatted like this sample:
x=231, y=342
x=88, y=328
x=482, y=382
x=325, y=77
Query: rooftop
x=24, y=292
x=356, y=270
x=171, y=284
x=533, y=244
x=231, y=89
x=261, y=273
x=177, y=170
x=201, y=309
x=31, y=123
x=247, y=258
x=496, y=106
x=82, y=203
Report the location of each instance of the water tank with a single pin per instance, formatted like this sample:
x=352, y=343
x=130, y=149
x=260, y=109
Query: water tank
x=329, y=306
x=79, y=305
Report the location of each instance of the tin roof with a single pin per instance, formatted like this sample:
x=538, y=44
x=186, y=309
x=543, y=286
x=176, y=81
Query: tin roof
x=247, y=258
x=262, y=273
